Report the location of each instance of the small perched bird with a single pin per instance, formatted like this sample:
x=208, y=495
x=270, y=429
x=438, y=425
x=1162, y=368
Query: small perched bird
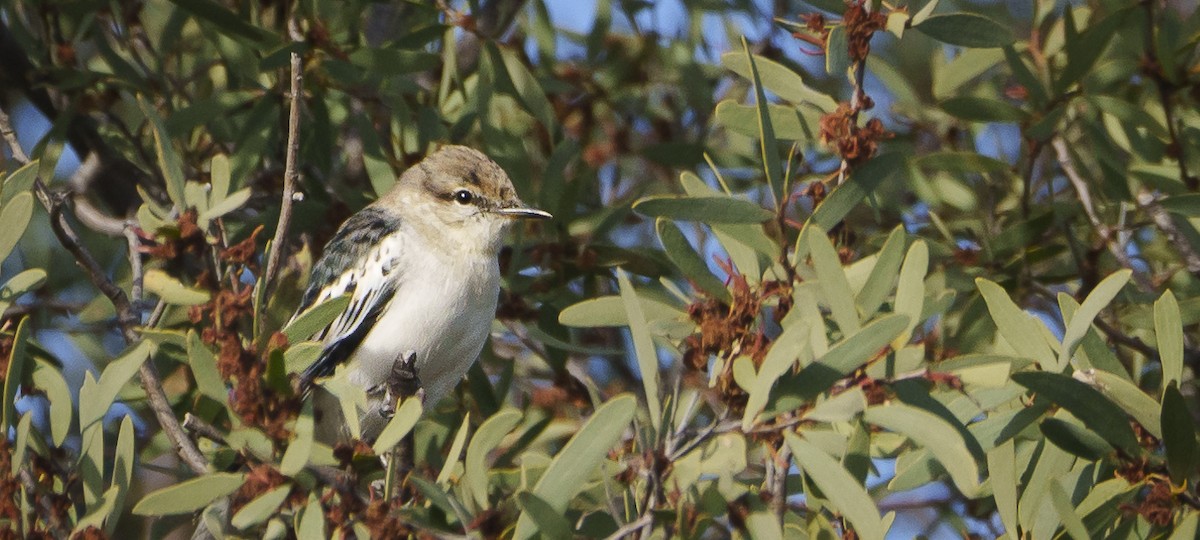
x=420, y=265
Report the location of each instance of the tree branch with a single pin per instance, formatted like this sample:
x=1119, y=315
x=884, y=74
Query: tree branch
x=290, y=174
x=127, y=318
x=1063, y=154
x=1149, y=203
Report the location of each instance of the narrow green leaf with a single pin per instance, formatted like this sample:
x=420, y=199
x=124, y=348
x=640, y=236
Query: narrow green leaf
x=846, y=356
x=486, y=439
x=456, y=450
x=609, y=311
x=22, y=441
x=219, y=179
x=842, y=407
x=1096, y=300
x=1168, y=334
x=1018, y=328
x=225, y=21
x=97, y=513
x=1129, y=398
x=312, y=521
x=862, y=182
x=204, y=369
x=643, y=345
x=48, y=379
x=837, y=52
x=910, y=290
x=1188, y=527
x=190, y=495
x=1002, y=470
x=1179, y=436
x=314, y=319
x=15, y=216
x=1075, y=439
x=689, y=262
x=780, y=359
x=116, y=375
x=883, y=275
x=1087, y=404
x=169, y=163
x=779, y=79
x=550, y=522
x=18, y=285
x=766, y=132
x=977, y=109
x=17, y=358
x=1085, y=49
x=833, y=280
x=261, y=508
x=171, y=291
x=122, y=475
x=20, y=181
x=966, y=30
x=295, y=458
x=1187, y=205
x=401, y=423
x=1066, y=513
x=842, y=490
x=579, y=458
x=935, y=435
x=718, y=209
x=528, y=90
x=226, y=205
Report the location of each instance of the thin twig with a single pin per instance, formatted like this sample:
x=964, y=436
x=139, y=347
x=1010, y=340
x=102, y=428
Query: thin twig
x=202, y=428
x=127, y=319
x=290, y=174
x=1107, y=235
x=631, y=527
x=1149, y=203
x=135, y=263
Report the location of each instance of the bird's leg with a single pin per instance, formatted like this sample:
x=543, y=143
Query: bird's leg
x=402, y=383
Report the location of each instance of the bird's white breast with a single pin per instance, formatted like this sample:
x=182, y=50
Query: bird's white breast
x=442, y=310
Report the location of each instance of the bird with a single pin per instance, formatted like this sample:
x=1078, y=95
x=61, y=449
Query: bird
x=421, y=268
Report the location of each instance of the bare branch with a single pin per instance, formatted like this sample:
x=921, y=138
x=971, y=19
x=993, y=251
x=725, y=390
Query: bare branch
x=290, y=174
x=1107, y=234
x=127, y=318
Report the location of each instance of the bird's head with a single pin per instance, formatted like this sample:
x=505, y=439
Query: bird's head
x=462, y=196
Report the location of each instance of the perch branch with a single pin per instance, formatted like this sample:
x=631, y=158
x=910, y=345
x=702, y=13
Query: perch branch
x=127, y=319
x=290, y=175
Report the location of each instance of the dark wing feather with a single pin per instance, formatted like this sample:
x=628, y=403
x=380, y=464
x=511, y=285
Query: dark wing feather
x=362, y=260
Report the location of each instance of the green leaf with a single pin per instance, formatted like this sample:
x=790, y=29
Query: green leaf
x=579, y=458
x=312, y=521
x=204, y=369
x=20, y=181
x=1168, y=334
x=1179, y=436
x=486, y=439
x=20, y=284
x=224, y=206
x=843, y=491
x=171, y=291
x=609, y=311
x=781, y=357
x=837, y=52
x=935, y=435
x=1002, y=471
x=842, y=407
x=1096, y=411
x=405, y=418
x=98, y=513
x=1075, y=439
x=1187, y=205
x=47, y=378
x=643, y=345
x=1085, y=49
x=190, y=495
x=15, y=216
x=791, y=124
x=834, y=286
x=846, y=356
x=169, y=163
x=966, y=30
x=779, y=79
x=122, y=475
x=226, y=21
x=883, y=275
x=1066, y=513
x=977, y=109
x=456, y=449
x=261, y=508
x=689, y=262
x=116, y=375
x=528, y=90
x=703, y=209
x=550, y=522
x=1096, y=300
x=315, y=319
x=1187, y=528
x=862, y=182
x=1130, y=398
x=1018, y=328
x=766, y=133
x=21, y=445
x=910, y=290
x=219, y=179
x=17, y=358
x=298, y=451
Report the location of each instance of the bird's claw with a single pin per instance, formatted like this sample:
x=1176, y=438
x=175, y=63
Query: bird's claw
x=402, y=382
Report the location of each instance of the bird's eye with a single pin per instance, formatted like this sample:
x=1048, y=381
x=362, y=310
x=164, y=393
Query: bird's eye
x=463, y=196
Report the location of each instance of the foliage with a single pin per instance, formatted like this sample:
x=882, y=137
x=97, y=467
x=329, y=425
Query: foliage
x=987, y=285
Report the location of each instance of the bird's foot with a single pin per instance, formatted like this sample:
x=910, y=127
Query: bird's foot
x=402, y=382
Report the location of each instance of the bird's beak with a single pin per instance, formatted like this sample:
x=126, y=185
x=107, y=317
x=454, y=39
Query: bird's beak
x=520, y=212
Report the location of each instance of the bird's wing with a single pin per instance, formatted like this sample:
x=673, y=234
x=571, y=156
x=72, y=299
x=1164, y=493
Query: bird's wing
x=363, y=260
